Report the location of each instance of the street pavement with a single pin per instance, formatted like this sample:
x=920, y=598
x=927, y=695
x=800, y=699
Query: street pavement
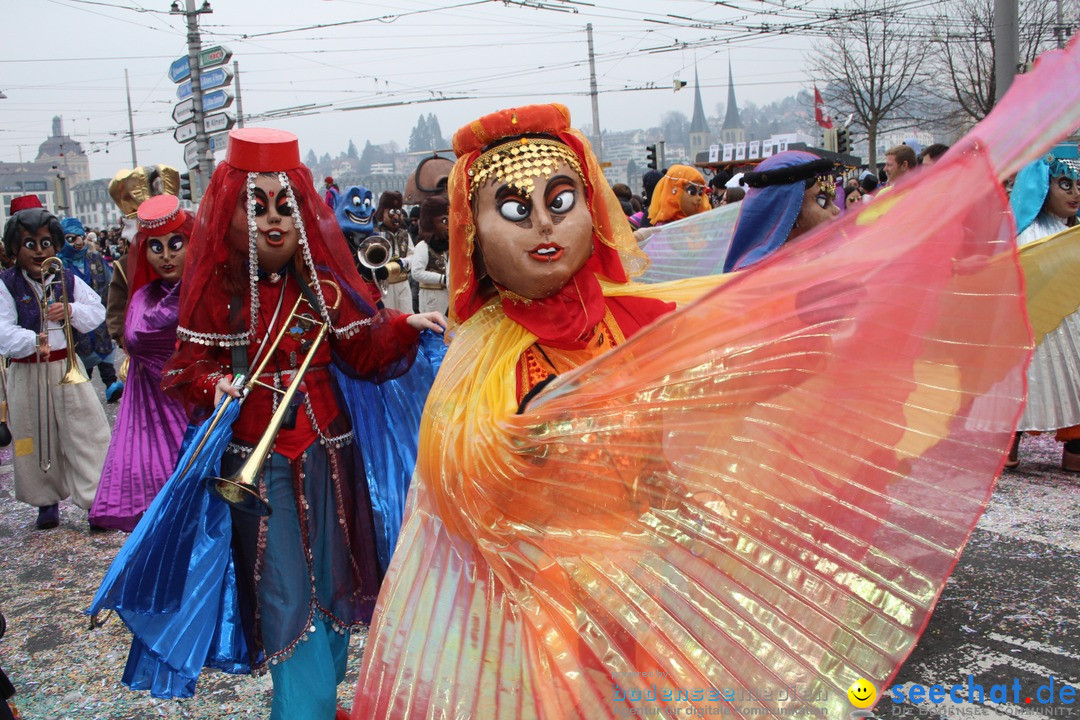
x=1009, y=614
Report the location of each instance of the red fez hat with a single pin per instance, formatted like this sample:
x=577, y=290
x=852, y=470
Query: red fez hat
x=161, y=214
x=24, y=203
x=263, y=150
x=328, y=180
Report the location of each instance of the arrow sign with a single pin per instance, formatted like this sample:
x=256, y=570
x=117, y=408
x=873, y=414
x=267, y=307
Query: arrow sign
x=212, y=57
x=215, y=78
x=218, y=122
x=216, y=100
x=180, y=70
x=185, y=110
x=207, y=81
x=184, y=132
x=191, y=154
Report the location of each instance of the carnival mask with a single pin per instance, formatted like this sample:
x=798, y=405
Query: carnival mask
x=268, y=212
x=534, y=236
x=355, y=210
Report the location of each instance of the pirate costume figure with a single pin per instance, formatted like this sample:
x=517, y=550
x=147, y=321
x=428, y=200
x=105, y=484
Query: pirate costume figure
x=150, y=425
x=429, y=268
x=59, y=427
x=390, y=216
x=631, y=497
x=269, y=291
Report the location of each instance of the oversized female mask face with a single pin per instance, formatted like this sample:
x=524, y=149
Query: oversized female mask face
x=533, y=243
x=166, y=254
x=1063, y=198
x=277, y=235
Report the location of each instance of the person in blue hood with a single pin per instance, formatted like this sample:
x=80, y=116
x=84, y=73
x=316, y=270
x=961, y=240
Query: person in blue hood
x=94, y=348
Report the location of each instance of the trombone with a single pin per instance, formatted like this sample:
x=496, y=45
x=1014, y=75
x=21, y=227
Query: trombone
x=73, y=374
x=240, y=490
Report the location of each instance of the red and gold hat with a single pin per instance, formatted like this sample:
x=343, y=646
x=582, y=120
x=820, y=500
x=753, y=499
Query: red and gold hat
x=161, y=214
x=263, y=150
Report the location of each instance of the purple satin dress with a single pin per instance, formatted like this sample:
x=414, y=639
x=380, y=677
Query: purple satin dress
x=149, y=425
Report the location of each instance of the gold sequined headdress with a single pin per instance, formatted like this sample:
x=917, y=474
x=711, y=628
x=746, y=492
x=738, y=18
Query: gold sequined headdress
x=519, y=161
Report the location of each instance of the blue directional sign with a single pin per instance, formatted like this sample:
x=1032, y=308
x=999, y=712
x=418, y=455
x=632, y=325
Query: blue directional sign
x=216, y=100
x=180, y=70
x=207, y=81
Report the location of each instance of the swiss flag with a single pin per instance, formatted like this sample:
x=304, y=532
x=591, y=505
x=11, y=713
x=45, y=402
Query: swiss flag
x=819, y=111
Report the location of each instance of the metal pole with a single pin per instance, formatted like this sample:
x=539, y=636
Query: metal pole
x=131, y=121
x=1006, y=45
x=599, y=144
x=1059, y=29
x=239, y=102
x=662, y=161
x=202, y=142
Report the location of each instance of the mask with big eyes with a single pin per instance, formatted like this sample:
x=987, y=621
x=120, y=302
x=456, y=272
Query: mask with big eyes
x=1063, y=197
x=166, y=256
x=276, y=233
x=33, y=248
x=355, y=211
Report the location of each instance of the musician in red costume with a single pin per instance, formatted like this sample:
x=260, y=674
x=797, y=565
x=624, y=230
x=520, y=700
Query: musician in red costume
x=307, y=573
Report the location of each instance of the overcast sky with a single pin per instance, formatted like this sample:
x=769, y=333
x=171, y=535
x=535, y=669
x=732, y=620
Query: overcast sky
x=67, y=57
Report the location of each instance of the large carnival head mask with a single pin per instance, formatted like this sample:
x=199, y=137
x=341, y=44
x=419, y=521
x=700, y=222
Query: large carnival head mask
x=1051, y=183
x=529, y=210
x=680, y=193
x=355, y=210
x=266, y=219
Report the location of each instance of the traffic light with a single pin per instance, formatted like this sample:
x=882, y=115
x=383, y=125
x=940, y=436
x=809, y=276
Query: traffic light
x=843, y=140
x=185, y=186
x=651, y=155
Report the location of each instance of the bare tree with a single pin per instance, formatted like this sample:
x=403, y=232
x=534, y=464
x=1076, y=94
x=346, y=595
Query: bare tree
x=962, y=53
x=869, y=63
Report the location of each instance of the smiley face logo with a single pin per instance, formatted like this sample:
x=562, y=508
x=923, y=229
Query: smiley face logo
x=861, y=693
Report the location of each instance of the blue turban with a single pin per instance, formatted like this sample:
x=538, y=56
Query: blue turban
x=72, y=226
x=771, y=206
x=1032, y=183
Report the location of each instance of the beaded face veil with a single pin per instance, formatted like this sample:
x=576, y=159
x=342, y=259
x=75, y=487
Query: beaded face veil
x=224, y=251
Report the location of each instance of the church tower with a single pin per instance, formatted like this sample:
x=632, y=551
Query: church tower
x=733, y=131
x=699, y=126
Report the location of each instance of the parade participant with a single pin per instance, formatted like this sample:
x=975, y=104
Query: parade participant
x=430, y=256
x=95, y=348
x=680, y=193
x=355, y=212
x=150, y=425
x=390, y=219
x=333, y=192
x=307, y=573
x=618, y=532
x=1045, y=200
x=60, y=430
x=128, y=189
x=791, y=193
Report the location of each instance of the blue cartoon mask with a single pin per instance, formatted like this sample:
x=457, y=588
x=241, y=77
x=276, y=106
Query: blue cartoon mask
x=355, y=211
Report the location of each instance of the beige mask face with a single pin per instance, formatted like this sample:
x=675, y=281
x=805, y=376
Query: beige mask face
x=277, y=235
x=534, y=242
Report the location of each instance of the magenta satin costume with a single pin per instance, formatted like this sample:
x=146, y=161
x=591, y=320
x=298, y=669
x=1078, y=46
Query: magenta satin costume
x=150, y=425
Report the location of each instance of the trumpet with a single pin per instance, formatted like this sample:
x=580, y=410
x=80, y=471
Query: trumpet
x=240, y=490
x=374, y=252
x=73, y=374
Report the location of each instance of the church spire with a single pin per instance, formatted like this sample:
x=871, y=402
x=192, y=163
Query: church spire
x=731, y=118
x=698, y=123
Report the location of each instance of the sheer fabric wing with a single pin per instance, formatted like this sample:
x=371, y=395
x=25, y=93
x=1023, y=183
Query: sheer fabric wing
x=1051, y=273
x=764, y=490
x=691, y=247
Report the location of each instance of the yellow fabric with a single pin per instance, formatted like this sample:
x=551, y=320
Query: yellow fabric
x=1052, y=277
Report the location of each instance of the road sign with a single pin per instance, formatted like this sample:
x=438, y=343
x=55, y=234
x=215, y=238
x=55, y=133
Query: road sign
x=184, y=132
x=216, y=100
x=184, y=110
x=191, y=154
x=180, y=70
x=191, y=150
x=215, y=78
x=207, y=81
x=214, y=56
x=218, y=122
